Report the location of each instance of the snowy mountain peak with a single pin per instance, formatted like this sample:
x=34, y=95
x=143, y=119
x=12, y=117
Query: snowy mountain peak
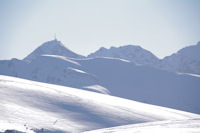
x=53, y=47
x=185, y=60
x=52, y=43
x=131, y=46
x=132, y=53
x=103, y=49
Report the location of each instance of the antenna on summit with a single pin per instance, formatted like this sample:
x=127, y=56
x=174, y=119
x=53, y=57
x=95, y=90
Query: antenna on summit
x=55, y=37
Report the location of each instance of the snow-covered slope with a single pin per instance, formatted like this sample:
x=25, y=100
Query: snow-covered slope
x=132, y=53
x=52, y=69
x=112, y=76
x=170, y=126
x=51, y=108
x=53, y=47
x=186, y=60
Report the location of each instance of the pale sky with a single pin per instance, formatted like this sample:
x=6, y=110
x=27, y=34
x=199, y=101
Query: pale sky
x=160, y=26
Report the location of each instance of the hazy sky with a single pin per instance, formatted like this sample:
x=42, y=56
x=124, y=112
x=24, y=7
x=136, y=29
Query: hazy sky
x=161, y=26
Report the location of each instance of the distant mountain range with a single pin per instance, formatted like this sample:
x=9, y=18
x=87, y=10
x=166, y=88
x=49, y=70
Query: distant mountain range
x=185, y=60
x=114, y=71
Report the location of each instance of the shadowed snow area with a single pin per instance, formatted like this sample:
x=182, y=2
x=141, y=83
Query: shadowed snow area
x=54, y=108
x=146, y=84
x=170, y=126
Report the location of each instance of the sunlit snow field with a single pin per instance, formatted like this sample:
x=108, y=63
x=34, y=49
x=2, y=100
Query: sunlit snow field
x=40, y=106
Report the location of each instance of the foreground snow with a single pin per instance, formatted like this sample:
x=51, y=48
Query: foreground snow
x=39, y=106
x=170, y=126
x=4, y=125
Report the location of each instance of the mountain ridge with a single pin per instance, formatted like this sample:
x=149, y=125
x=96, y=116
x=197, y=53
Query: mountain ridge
x=186, y=60
x=134, y=53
